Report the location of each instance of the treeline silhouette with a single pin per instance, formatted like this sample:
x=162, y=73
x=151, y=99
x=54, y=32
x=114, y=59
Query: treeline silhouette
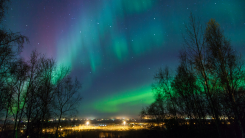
x=33, y=90
x=209, y=82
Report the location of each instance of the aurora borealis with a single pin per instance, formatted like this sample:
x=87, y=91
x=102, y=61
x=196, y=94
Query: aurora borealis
x=114, y=47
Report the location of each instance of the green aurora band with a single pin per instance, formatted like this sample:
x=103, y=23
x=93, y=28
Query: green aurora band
x=114, y=103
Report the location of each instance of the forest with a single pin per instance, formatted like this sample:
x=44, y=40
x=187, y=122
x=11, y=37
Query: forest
x=35, y=89
x=208, y=83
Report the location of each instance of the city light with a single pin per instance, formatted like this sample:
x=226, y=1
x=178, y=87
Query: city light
x=124, y=123
x=87, y=123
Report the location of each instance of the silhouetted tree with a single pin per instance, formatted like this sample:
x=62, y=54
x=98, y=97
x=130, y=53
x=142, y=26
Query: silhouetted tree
x=196, y=50
x=46, y=90
x=226, y=65
x=17, y=84
x=35, y=89
x=39, y=91
x=67, y=98
x=209, y=81
x=157, y=110
x=163, y=87
x=32, y=107
x=188, y=94
x=10, y=46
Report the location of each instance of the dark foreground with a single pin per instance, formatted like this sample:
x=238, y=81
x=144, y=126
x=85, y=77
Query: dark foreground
x=207, y=131
x=179, y=132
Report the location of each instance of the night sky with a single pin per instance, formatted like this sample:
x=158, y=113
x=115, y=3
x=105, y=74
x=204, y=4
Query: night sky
x=114, y=47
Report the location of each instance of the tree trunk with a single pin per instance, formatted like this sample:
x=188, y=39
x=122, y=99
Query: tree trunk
x=237, y=117
x=6, y=117
x=56, y=133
